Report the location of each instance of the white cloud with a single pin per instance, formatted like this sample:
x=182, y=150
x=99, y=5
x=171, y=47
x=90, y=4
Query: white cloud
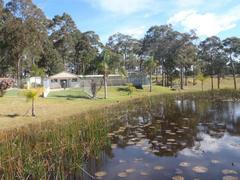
x=136, y=32
x=189, y=3
x=206, y=24
x=125, y=7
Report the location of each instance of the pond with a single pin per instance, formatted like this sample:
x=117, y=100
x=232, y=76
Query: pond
x=172, y=139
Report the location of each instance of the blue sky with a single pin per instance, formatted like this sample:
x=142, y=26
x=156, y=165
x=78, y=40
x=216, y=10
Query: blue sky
x=134, y=17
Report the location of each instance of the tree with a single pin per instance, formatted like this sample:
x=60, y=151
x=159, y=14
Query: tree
x=201, y=78
x=32, y=95
x=149, y=67
x=23, y=36
x=85, y=53
x=186, y=53
x=210, y=49
x=232, y=49
x=64, y=34
x=50, y=60
x=126, y=46
x=105, y=70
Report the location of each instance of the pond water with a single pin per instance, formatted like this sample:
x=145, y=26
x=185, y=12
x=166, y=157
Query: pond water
x=172, y=139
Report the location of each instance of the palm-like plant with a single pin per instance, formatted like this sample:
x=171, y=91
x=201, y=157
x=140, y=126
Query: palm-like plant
x=149, y=67
x=32, y=95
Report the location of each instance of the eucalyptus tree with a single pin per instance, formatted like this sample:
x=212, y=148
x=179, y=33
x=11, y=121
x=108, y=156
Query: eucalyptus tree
x=63, y=34
x=159, y=42
x=23, y=35
x=88, y=49
x=209, y=51
x=232, y=49
x=50, y=60
x=126, y=46
x=186, y=53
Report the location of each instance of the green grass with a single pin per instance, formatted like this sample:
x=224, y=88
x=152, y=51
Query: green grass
x=15, y=111
x=68, y=93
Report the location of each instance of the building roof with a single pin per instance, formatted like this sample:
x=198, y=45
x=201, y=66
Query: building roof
x=63, y=75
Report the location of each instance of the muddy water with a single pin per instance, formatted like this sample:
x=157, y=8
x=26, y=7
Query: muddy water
x=172, y=139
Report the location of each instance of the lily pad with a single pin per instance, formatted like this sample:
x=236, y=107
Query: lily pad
x=230, y=178
x=200, y=169
x=143, y=173
x=122, y=174
x=158, y=168
x=177, y=178
x=215, y=161
x=100, y=174
x=229, y=171
x=131, y=170
x=185, y=164
x=122, y=161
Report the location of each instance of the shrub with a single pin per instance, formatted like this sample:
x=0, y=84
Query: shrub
x=4, y=85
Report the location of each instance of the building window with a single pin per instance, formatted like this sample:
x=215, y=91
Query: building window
x=54, y=81
x=74, y=80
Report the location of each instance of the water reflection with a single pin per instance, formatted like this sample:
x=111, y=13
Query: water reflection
x=166, y=138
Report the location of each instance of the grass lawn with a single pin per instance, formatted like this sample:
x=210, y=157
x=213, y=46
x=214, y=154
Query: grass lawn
x=15, y=111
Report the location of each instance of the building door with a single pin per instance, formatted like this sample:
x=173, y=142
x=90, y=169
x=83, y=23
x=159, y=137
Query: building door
x=63, y=83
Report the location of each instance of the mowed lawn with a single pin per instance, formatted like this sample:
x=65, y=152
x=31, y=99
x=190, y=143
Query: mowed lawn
x=15, y=110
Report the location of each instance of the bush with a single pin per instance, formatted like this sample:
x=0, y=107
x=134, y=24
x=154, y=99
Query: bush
x=130, y=88
x=4, y=85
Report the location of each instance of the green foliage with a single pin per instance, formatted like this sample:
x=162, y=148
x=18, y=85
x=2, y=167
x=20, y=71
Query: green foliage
x=201, y=77
x=130, y=88
x=150, y=65
x=31, y=94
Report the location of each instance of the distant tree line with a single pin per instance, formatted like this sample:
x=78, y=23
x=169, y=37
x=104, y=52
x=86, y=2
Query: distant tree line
x=32, y=44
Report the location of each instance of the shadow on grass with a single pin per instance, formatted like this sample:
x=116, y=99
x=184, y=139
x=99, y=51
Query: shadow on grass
x=71, y=97
x=123, y=89
x=10, y=115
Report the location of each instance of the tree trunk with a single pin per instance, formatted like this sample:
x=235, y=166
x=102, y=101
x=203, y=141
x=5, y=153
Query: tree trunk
x=186, y=78
x=33, y=108
x=212, y=81
x=19, y=73
x=105, y=86
x=181, y=77
x=166, y=79
x=234, y=74
x=171, y=82
x=150, y=82
x=162, y=78
x=194, y=80
x=219, y=81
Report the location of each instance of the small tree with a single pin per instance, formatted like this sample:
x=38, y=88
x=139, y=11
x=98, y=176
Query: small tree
x=105, y=70
x=4, y=85
x=149, y=67
x=201, y=78
x=32, y=95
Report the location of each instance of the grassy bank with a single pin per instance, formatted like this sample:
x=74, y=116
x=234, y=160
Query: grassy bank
x=15, y=111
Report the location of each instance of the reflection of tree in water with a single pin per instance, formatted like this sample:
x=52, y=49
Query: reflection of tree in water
x=220, y=117
x=171, y=125
x=167, y=126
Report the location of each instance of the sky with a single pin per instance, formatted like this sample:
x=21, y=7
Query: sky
x=135, y=17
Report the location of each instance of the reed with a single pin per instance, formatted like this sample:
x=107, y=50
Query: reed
x=58, y=149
